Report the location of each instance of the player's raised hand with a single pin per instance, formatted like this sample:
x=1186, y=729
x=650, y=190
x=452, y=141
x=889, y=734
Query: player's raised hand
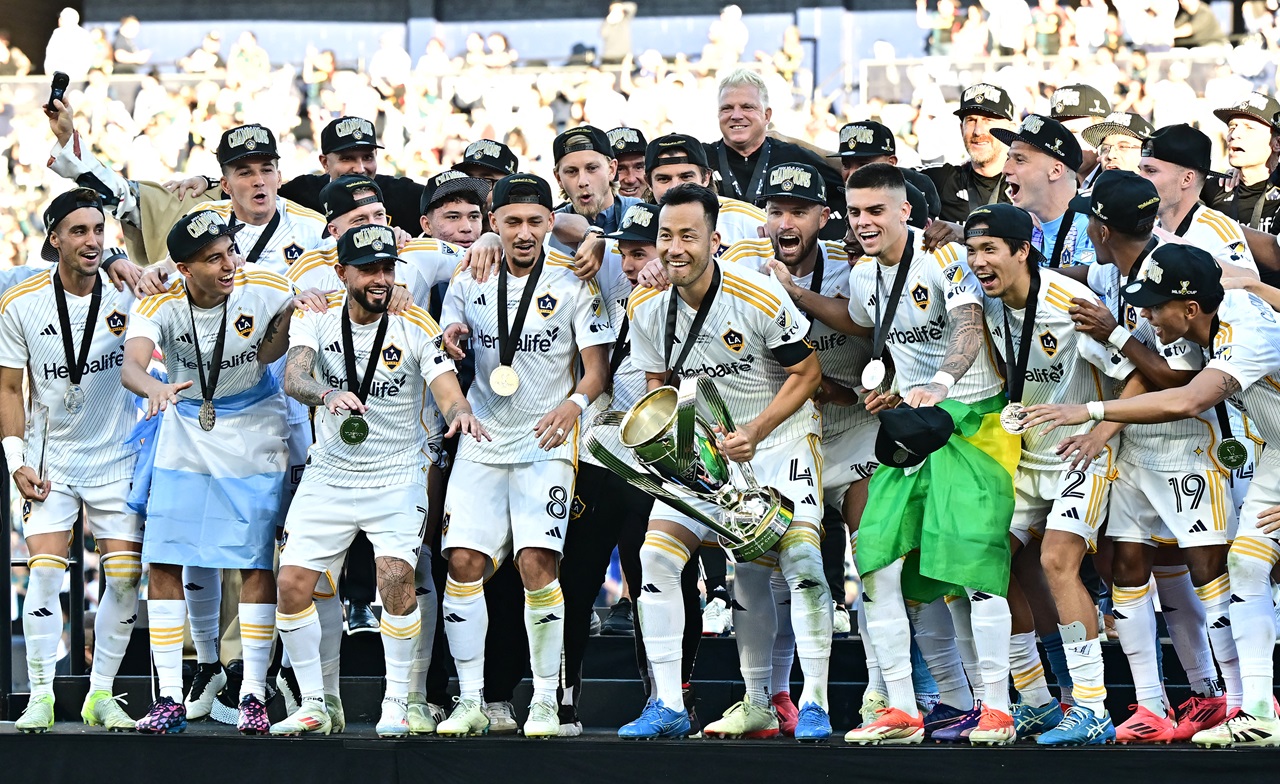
x=589, y=257
x=313, y=300
x=399, y=300
x=192, y=187
x=453, y=335
x=653, y=276
x=483, y=257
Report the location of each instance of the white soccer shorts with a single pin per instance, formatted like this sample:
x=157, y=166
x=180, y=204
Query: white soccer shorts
x=1264, y=493
x=106, y=515
x=847, y=458
x=1071, y=501
x=499, y=509
x=1239, y=480
x=324, y=519
x=1187, y=508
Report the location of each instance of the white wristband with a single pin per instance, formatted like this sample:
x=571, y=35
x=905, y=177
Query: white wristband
x=944, y=378
x=581, y=399
x=14, y=453
x=1097, y=410
x=1118, y=337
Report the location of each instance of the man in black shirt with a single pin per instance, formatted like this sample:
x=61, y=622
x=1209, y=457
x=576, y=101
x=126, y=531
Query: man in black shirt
x=1252, y=139
x=870, y=142
x=977, y=181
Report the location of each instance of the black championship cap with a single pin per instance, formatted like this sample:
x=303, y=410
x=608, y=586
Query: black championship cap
x=195, y=230
x=1073, y=101
x=639, y=224
x=452, y=183
x=508, y=191
x=337, y=197
x=1175, y=271
x=1123, y=123
x=584, y=137
x=491, y=155
x=686, y=148
x=63, y=205
x=794, y=181
x=347, y=132
x=908, y=435
x=866, y=140
x=627, y=141
x=1046, y=135
x=366, y=245
x=919, y=218
x=1182, y=145
x=1005, y=221
x=986, y=99
x=247, y=141
x=1257, y=106
x=1121, y=200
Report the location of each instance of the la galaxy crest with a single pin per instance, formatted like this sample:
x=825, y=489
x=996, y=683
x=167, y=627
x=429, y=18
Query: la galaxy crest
x=547, y=305
x=392, y=356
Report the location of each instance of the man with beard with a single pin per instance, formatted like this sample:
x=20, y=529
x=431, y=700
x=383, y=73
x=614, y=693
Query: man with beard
x=628, y=150
x=977, y=181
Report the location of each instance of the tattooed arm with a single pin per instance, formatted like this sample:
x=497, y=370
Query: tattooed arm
x=968, y=333
x=300, y=385
x=1206, y=390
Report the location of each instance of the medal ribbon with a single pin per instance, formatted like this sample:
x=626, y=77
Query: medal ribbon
x=361, y=387
x=1221, y=409
x=1068, y=220
x=209, y=387
x=621, y=348
x=263, y=238
x=879, y=333
x=694, y=329
x=1016, y=376
x=76, y=361
x=755, y=187
x=509, y=334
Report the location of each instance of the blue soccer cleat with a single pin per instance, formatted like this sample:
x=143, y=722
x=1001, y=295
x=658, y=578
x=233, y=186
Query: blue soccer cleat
x=814, y=725
x=1080, y=727
x=1031, y=720
x=657, y=721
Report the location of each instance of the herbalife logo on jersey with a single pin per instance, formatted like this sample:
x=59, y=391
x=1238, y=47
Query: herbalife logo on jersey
x=1050, y=375
x=925, y=333
x=539, y=342
x=110, y=361
x=390, y=388
x=355, y=127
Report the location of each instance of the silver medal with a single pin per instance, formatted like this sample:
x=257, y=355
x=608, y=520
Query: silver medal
x=207, y=415
x=73, y=399
x=873, y=374
x=1011, y=418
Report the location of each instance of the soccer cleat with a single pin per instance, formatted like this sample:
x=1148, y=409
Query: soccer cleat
x=690, y=701
x=394, y=721
x=164, y=717
x=813, y=725
x=422, y=719
x=208, y=681
x=621, y=620
x=891, y=727
x=570, y=726
x=1198, y=714
x=502, y=718
x=1030, y=720
x=957, y=731
x=468, y=718
x=1144, y=726
x=287, y=684
x=102, y=710
x=872, y=703
x=657, y=721
x=594, y=625
x=786, y=712
x=38, y=716
x=995, y=728
x=942, y=715
x=717, y=619
x=311, y=716
x=253, y=717
x=744, y=720
x=1080, y=727
x=543, y=720
x=337, y=717
x=361, y=619
x=1241, y=730
x=841, y=626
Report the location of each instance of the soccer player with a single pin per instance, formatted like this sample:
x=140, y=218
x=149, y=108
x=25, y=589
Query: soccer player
x=453, y=208
x=629, y=147
x=585, y=170
x=221, y=437
x=740, y=329
x=361, y=366
x=676, y=158
x=1251, y=141
x=1182, y=296
x=64, y=328
x=529, y=325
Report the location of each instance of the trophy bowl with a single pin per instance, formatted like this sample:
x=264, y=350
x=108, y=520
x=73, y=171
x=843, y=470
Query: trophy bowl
x=760, y=518
x=649, y=430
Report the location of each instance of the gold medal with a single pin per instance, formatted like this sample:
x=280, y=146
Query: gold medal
x=504, y=381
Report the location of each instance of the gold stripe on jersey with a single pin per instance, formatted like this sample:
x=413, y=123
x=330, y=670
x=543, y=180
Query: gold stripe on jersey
x=421, y=318
x=34, y=283
x=769, y=302
x=742, y=207
x=293, y=208
x=1213, y=441
x=639, y=296
x=1224, y=335
x=747, y=248
x=264, y=278
x=151, y=305
x=946, y=255
x=1225, y=228
x=1216, y=494
x=1096, y=494
x=316, y=259
x=749, y=297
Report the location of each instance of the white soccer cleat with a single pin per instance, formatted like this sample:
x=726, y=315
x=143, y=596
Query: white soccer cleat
x=543, y=721
x=467, y=719
x=311, y=717
x=502, y=718
x=337, y=717
x=208, y=681
x=717, y=619
x=394, y=722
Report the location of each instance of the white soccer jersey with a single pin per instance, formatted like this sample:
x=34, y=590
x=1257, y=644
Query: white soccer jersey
x=936, y=284
x=565, y=315
x=300, y=230
x=433, y=260
x=1218, y=235
x=842, y=356
x=1247, y=348
x=750, y=318
x=165, y=319
x=629, y=383
x=315, y=270
x=401, y=409
x=737, y=221
x=1064, y=366
x=86, y=448
x=1185, y=445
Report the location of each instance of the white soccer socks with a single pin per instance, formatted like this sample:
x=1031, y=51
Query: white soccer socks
x=466, y=622
x=257, y=634
x=168, y=618
x=42, y=620
x=800, y=558
x=661, y=607
x=991, y=628
x=890, y=633
x=301, y=635
x=935, y=634
x=429, y=611
x=1215, y=597
x=544, y=623
x=1249, y=564
x=329, y=614
x=1184, y=614
x=399, y=640
x=784, y=642
x=116, y=617
x=1136, y=624
x=1028, y=670
x=202, y=588
x=1084, y=659
x=755, y=623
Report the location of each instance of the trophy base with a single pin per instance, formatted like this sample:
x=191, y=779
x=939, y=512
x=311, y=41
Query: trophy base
x=766, y=530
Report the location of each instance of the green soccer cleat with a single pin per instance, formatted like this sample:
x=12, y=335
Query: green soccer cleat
x=38, y=717
x=103, y=710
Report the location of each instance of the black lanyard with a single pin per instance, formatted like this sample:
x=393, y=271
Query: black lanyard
x=263, y=238
x=1255, y=222
x=76, y=362
x=1221, y=409
x=694, y=329
x=879, y=333
x=815, y=283
x=210, y=386
x=754, y=188
x=361, y=386
x=1016, y=376
x=1124, y=280
x=1068, y=219
x=509, y=336
x=621, y=349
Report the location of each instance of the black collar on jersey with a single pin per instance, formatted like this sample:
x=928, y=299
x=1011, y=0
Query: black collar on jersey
x=879, y=331
x=361, y=386
x=756, y=186
x=209, y=386
x=76, y=362
x=263, y=238
x=509, y=335
x=621, y=348
x=1016, y=374
x=1068, y=220
x=1186, y=222
x=694, y=329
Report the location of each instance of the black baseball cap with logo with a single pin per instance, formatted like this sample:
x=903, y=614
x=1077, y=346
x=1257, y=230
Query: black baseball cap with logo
x=1181, y=145
x=1046, y=135
x=627, y=141
x=366, y=244
x=1005, y=221
x=865, y=139
x=338, y=197
x=195, y=230
x=1122, y=200
x=793, y=181
x=346, y=133
x=1073, y=101
x=63, y=205
x=522, y=189
x=452, y=183
x=1256, y=106
x=639, y=224
x=246, y=141
x=1123, y=123
x=1175, y=271
x=909, y=435
x=489, y=154
x=986, y=99
x=686, y=148
x=582, y=138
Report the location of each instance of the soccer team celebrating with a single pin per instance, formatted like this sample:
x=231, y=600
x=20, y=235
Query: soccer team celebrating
x=1054, y=360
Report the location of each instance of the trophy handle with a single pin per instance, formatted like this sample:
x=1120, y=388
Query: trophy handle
x=686, y=419
x=720, y=414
